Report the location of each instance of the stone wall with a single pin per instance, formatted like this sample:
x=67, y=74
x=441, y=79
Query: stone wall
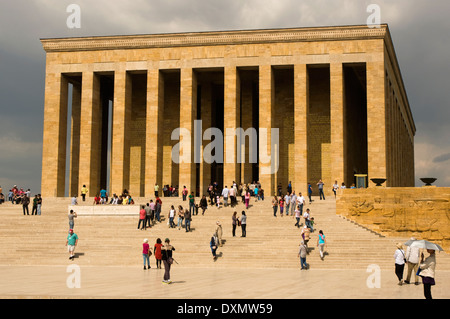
x=422, y=212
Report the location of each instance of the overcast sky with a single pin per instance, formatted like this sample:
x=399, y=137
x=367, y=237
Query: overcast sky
x=420, y=31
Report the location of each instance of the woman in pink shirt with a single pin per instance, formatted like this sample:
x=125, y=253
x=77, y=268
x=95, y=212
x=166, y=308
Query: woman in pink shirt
x=247, y=199
x=145, y=253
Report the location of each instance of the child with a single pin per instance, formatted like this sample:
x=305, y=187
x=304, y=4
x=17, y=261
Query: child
x=218, y=201
x=311, y=223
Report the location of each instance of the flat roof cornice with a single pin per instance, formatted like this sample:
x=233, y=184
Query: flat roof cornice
x=337, y=33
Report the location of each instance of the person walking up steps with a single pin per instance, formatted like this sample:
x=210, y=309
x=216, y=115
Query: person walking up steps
x=302, y=254
x=321, y=244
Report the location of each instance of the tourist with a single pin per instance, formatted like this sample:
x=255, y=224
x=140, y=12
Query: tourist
x=96, y=200
x=34, y=209
x=171, y=217
x=187, y=220
x=158, y=205
x=289, y=187
x=146, y=253
x=103, y=196
x=218, y=231
x=152, y=209
x=166, y=256
x=293, y=204
x=335, y=188
x=320, y=187
x=306, y=232
x=310, y=193
x=321, y=244
x=400, y=260
x=180, y=217
x=203, y=204
x=235, y=222
x=157, y=252
x=148, y=215
x=302, y=254
x=232, y=195
x=156, y=189
x=39, y=204
x=25, y=203
x=213, y=245
x=71, y=216
x=300, y=202
x=142, y=215
x=412, y=260
x=184, y=193
x=427, y=272
x=281, y=203
x=307, y=217
x=225, y=193
x=71, y=243
x=73, y=202
x=191, y=202
x=275, y=205
x=297, y=217
x=287, y=202
x=244, y=224
x=255, y=190
x=247, y=198
x=84, y=191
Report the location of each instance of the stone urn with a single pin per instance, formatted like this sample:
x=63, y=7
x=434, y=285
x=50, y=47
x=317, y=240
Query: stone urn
x=428, y=180
x=378, y=181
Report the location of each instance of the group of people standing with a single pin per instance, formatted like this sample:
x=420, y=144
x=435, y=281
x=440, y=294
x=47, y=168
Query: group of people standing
x=163, y=254
x=416, y=264
x=18, y=196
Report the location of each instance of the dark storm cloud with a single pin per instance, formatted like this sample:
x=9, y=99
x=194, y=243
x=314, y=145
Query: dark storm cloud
x=419, y=30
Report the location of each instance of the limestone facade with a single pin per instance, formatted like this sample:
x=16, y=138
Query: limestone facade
x=335, y=94
x=420, y=212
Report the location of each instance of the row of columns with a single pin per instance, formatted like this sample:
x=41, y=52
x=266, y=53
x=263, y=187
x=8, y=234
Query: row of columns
x=88, y=162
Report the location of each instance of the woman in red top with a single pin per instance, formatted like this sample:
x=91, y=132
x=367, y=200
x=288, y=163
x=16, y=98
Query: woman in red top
x=145, y=250
x=157, y=250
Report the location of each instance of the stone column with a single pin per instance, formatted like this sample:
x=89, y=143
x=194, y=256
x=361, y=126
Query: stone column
x=188, y=107
x=54, y=136
x=337, y=118
x=75, y=139
x=301, y=105
x=154, y=137
x=266, y=113
x=231, y=170
x=205, y=167
x=120, y=159
x=90, y=137
x=376, y=120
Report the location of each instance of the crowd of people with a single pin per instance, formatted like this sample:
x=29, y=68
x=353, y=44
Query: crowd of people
x=20, y=196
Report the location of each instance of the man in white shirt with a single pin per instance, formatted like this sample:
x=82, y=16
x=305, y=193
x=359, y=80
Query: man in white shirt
x=74, y=200
x=412, y=258
x=300, y=202
x=287, y=201
x=225, y=192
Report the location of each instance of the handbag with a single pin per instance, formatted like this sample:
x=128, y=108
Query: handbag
x=418, y=271
x=149, y=253
x=170, y=260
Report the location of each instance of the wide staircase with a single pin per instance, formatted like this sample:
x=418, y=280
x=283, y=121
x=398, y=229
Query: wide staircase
x=271, y=242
